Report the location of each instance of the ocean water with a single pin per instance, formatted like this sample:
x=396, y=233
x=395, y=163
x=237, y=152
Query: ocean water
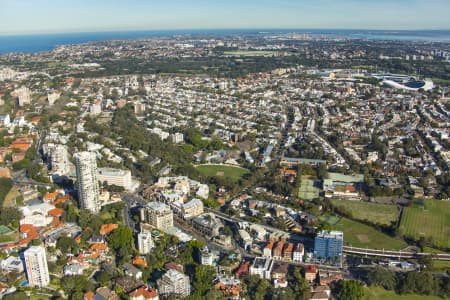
x=46, y=42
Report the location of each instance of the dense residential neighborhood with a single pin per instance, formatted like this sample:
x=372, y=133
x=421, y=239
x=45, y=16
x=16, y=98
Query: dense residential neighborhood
x=265, y=166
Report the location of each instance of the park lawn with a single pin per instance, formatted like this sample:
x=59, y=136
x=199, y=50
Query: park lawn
x=432, y=250
x=378, y=293
x=430, y=220
x=441, y=266
x=330, y=220
x=357, y=234
x=10, y=199
x=234, y=173
x=39, y=297
x=373, y=212
x=10, y=237
x=250, y=53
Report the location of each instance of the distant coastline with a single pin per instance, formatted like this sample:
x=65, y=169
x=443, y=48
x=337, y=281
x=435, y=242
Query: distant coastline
x=46, y=42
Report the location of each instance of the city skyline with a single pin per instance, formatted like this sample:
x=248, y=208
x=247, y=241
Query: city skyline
x=49, y=16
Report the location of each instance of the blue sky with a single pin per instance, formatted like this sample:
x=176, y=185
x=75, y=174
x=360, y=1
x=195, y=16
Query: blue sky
x=46, y=16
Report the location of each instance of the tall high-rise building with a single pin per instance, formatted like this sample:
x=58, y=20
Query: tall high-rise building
x=145, y=242
x=59, y=160
x=95, y=108
x=88, y=190
x=177, y=138
x=329, y=244
x=36, y=266
x=23, y=95
x=53, y=97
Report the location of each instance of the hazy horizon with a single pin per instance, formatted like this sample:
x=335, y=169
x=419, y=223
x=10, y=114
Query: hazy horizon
x=22, y=17
x=211, y=30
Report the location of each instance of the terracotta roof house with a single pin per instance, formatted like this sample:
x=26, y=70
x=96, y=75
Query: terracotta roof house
x=144, y=293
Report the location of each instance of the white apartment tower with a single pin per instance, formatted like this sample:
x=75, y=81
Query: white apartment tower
x=145, y=242
x=95, y=108
x=24, y=96
x=88, y=190
x=53, y=97
x=174, y=283
x=59, y=160
x=177, y=138
x=36, y=266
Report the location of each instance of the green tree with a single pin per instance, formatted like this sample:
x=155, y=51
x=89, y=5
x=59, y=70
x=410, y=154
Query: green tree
x=188, y=252
x=121, y=238
x=299, y=285
x=103, y=278
x=257, y=288
x=350, y=290
x=382, y=277
x=203, y=279
x=214, y=294
x=9, y=215
x=422, y=283
x=67, y=245
x=5, y=186
x=74, y=286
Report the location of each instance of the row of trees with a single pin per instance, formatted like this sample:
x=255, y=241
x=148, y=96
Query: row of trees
x=422, y=283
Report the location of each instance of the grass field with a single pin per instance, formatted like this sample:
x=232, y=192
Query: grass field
x=429, y=220
x=39, y=297
x=372, y=212
x=432, y=250
x=308, y=190
x=4, y=230
x=378, y=293
x=360, y=235
x=234, y=173
x=10, y=237
x=330, y=220
x=250, y=53
x=441, y=266
x=10, y=199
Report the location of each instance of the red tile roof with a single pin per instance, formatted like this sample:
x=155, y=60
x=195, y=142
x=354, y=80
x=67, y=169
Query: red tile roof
x=108, y=228
x=89, y=296
x=56, y=212
x=146, y=291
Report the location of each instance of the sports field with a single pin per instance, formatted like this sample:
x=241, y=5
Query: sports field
x=372, y=212
x=378, y=293
x=308, y=190
x=234, y=173
x=330, y=220
x=360, y=235
x=429, y=219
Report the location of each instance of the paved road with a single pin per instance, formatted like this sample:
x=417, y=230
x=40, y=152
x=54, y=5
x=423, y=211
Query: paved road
x=131, y=201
